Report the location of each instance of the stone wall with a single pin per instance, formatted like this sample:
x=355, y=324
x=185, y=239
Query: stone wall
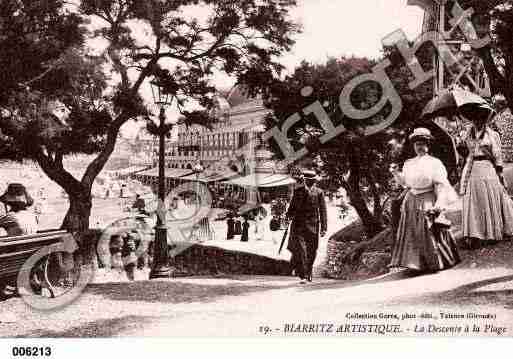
x=186, y=259
x=351, y=256
x=210, y=260
x=369, y=264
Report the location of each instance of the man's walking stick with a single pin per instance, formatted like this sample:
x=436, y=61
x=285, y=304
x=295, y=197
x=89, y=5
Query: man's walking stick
x=284, y=237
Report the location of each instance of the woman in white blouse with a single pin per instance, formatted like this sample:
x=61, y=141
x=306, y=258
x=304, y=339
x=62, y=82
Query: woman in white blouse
x=424, y=242
x=487, y=207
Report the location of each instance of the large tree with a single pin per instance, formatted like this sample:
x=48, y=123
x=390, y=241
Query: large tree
x=180, y=43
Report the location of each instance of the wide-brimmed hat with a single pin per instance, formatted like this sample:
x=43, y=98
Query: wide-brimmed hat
x=421, y=133
x=16, y=193
x=309, y=174
x=475, y=112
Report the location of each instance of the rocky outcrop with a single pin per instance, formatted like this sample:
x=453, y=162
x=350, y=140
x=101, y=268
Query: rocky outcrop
x=351, y=256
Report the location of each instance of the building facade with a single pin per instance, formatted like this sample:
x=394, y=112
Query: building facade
x=233, y=144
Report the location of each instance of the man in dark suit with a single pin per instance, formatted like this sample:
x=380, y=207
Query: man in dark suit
x=307, y=211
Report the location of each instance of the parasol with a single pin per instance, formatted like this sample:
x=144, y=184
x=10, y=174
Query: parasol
x=448, y=102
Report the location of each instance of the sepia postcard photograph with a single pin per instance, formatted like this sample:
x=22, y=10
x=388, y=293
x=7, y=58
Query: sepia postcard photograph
x=323, y=169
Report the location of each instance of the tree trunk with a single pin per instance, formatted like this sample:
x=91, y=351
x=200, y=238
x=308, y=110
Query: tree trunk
x=373, y=225
x=77, y=218
x=508, y=93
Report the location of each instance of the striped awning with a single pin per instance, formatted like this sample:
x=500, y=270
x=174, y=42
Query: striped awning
x=262, y=180
x=212, y=176
x=127, y=171
x=169, y=172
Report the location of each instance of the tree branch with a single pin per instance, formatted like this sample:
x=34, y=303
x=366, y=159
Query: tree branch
x=96, y=166
x=148, y=68
x=497, y=81
x=207, y=52
x=38, y=77
x=57, y=173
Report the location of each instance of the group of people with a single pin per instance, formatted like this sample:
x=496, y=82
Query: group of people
x=241, y=228
x=423, y=240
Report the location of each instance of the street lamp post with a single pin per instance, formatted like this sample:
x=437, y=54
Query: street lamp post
x=161, y=267
x=198, y=169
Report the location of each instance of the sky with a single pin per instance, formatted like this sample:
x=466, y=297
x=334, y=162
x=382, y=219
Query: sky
x=346, y=27
x=332, y=28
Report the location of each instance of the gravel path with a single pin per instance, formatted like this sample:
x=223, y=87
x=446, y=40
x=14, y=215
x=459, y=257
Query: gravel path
x=106, y=309
x=239, y=306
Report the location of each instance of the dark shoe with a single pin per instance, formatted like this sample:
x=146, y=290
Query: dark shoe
x=309, y=278
x=472, y=243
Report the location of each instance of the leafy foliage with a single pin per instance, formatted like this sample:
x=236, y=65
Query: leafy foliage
x=177, y=47
x=495, y=18
x=357, y=163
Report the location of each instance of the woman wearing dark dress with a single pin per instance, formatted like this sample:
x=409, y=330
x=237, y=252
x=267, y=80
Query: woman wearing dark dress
x=245, y=230
x=231, y=227
x=237, y=227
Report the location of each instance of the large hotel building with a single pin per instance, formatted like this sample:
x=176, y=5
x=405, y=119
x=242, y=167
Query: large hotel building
x=240, y=122
x=231, y=150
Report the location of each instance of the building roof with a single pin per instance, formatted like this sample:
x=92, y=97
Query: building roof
x=222, y=103
x=424, y=4
x=236, y=96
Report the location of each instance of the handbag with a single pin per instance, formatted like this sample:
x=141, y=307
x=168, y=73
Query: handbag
x=274, y=224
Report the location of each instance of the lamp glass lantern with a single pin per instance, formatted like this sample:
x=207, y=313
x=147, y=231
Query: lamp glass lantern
x=161, y=97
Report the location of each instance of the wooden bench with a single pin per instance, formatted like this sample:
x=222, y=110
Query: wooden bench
x=16, y=250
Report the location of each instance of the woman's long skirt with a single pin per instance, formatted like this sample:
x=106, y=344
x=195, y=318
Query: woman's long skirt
x=487, y=207
x=420, y=245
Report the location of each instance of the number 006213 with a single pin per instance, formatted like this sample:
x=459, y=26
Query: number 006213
x=22, y=352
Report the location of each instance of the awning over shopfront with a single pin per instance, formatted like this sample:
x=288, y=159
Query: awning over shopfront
x=126, y=171
x=169, y=173
x=262, y=180
x=211, y=176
